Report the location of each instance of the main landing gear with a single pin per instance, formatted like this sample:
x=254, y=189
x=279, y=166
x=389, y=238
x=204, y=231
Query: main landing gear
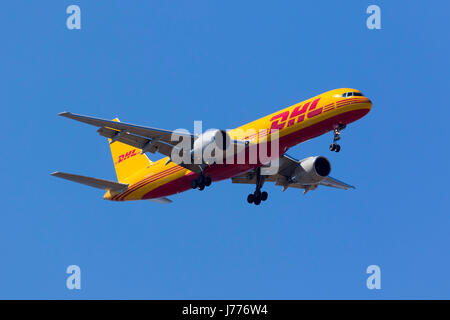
x=337, y=136
x=258, y=196
x=201, y=182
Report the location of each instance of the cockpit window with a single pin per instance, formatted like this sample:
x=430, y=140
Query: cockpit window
x=352, y=94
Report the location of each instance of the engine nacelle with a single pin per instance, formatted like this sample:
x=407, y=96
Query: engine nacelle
x=312, y=170
x=206, y=143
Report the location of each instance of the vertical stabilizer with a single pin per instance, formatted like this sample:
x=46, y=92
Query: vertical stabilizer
x=127, y=159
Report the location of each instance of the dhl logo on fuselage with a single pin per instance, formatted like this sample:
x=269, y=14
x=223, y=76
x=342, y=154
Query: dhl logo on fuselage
x=297, y=115
x=308, y=110
x=126, y=156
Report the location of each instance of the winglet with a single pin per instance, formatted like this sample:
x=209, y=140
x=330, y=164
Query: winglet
x=64, y=114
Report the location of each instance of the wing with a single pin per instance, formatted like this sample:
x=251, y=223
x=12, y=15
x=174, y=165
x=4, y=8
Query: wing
x=287, y=166
x=150, y=133
x=335, y=183
x=144, y=138
x=92, y=182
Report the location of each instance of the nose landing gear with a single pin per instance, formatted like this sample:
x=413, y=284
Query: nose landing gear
x=337, y=136
x=335, y=147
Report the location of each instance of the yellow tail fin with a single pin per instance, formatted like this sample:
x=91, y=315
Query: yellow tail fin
x=127, y=159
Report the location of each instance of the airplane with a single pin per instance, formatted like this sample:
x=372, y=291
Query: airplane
x=138, y=178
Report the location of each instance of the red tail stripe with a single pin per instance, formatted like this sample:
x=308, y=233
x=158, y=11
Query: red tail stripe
x=152, y=177
x=146, y=182
x=138, y=184
x=153, y=180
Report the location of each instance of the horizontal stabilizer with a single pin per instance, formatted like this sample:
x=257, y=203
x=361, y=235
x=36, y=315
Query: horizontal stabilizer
x=92, y=182
x=161, y=200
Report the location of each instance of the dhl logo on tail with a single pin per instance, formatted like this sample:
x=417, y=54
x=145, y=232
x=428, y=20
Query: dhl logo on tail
x=125, y=156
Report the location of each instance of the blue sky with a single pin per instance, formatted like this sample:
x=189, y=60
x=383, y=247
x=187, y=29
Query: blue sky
x=166, y=64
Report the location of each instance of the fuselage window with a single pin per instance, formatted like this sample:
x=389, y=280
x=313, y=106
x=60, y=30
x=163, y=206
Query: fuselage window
x=352, y=94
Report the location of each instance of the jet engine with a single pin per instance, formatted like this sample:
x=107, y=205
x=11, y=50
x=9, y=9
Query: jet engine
x=311, y=170
x=207, y=144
